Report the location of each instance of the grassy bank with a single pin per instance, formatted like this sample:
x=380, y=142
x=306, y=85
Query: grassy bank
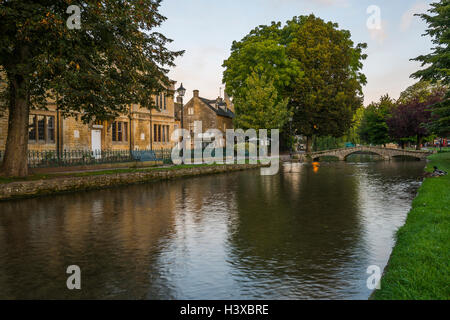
x=419, y=264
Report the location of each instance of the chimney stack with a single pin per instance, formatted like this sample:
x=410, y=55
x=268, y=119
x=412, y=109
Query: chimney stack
x=196, y=92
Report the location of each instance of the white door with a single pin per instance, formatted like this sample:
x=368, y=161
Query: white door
x=96, y=142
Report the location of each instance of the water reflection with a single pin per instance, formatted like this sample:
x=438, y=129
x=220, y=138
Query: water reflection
x=304, y=233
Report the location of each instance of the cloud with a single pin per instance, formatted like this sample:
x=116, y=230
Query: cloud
x=408, y=16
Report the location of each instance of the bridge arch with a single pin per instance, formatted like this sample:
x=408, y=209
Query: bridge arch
x=365, y=152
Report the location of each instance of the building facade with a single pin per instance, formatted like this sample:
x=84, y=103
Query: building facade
x=139, y=129
x=213, y=114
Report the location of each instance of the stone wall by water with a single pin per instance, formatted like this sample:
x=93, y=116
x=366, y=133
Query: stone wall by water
x=24, y=189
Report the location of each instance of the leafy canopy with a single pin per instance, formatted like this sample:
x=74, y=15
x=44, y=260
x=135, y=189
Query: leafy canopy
x=438, y=62
x=311, y=63
x=374, y=129
x=259, y=105
x=262, y=51
x=325, y=99
x=115, y=59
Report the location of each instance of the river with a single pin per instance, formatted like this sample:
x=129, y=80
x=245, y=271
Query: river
x=309, y=232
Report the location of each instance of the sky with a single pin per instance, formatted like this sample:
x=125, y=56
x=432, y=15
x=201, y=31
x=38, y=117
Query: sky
x=205, y=29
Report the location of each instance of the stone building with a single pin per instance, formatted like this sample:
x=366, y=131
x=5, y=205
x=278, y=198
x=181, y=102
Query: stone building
x=139, y=129
x=214, y=114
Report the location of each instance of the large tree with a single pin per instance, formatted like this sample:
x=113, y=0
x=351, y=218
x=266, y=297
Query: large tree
x=113, y=59
x=326, y=98
x=411, y=118
x=259, y=106
x=438, y=62
x=373, y=128
x=311, y=63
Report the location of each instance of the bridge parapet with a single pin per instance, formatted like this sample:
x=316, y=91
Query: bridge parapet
x=385, y=153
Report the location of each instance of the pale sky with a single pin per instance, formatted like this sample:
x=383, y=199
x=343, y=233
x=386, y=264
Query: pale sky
x=207, y=28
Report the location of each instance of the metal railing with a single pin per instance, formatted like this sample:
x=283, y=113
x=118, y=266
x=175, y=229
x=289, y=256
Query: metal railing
x=71, y=158
x=67, y=158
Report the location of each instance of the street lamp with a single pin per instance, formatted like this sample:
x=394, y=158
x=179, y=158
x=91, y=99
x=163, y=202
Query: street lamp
x=181, y=91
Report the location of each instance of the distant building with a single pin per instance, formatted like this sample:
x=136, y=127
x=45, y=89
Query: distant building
x=214, y=114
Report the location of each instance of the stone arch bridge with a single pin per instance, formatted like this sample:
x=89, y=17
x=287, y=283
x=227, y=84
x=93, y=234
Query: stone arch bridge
x=385, y=153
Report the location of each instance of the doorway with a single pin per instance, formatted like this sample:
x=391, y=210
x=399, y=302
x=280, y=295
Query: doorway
x=96, y=143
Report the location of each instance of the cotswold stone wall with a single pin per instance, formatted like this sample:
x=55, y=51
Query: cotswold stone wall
x=24, y=189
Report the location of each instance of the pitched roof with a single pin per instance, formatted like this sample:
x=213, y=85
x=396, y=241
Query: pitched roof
x=221, y=110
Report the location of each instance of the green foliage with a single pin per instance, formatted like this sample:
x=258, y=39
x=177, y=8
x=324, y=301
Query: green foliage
x=374, y=129
x=438, y=61
x=259, y=105
x=441, y=118
x=325, y=99
x=115, y=59
x=262, y=52
x=311, y=63
x=421, y=91
x=352, y=134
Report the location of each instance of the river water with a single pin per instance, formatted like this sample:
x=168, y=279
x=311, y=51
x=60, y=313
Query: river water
x=309, y=232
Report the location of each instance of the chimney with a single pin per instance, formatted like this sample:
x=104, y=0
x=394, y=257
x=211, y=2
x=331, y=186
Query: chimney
x=196, y=93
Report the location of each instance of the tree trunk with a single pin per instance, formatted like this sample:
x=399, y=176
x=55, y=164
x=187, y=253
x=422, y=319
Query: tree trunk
x=419, y=142
x=308, y=144
x=15, y=162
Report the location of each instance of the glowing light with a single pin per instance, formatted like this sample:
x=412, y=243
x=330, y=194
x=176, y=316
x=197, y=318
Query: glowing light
x=316, y=166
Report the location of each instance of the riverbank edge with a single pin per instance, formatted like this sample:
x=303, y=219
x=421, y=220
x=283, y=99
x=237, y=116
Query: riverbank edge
x=58, y=185
x=418, y=268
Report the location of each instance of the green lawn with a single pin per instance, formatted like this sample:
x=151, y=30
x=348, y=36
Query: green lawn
x=419, y=265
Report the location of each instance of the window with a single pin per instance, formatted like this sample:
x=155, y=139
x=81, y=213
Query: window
x=32, y=128
x=191, y=111
x=161, y=133
x=51, y=129
x=41, y=129
x=120, y=131
x=161, y=101
x=125, y=131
